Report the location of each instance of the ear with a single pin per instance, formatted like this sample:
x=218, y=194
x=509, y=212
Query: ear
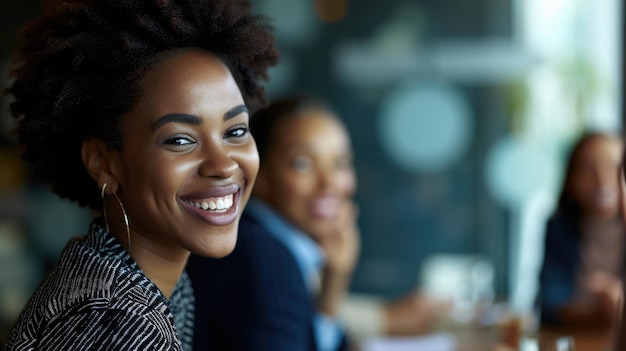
x=100, y=162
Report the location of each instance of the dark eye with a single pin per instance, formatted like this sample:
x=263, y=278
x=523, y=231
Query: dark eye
x=178, y=141
x=301, y=164
x=237, y=132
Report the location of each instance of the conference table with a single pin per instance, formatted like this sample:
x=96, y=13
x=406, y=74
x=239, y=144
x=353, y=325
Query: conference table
x=490, y=338
x=588, y=340
x=496, y=339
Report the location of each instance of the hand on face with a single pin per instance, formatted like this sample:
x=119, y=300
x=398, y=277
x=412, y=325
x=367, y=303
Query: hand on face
x=607, y=290
x=342, y=244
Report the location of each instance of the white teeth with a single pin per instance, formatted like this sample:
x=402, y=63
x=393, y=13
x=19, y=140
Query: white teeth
x=219, y=204
x=228, y=201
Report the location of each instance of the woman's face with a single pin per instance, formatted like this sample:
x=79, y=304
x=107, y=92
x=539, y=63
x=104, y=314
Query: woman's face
x=188, y=159
x=308, y=172
x=594, y=178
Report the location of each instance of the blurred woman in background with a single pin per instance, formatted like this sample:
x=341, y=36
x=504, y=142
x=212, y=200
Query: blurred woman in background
x=580, y=280
x=298, y=246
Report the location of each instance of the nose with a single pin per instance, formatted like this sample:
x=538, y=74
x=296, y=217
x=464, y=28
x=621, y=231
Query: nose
x=217, y=163
x=325, y=179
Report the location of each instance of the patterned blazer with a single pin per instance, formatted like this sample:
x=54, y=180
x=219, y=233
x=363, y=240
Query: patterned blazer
x=97, y=298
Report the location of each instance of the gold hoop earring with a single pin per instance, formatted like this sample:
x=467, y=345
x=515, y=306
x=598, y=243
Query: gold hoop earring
x=106, y=221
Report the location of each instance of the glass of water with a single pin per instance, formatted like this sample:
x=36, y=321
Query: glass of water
x=546, y=342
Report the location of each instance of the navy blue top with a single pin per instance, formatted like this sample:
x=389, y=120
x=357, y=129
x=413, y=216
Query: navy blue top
x=256, y=298
x=557, y=280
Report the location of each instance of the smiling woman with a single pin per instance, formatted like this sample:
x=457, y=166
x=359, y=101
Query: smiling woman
x=138, y=110
x=190, y=144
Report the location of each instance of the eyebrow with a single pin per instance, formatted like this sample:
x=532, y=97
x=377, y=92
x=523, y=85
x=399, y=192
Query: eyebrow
x=235, y=111
x=194, y=119
x=177, y=117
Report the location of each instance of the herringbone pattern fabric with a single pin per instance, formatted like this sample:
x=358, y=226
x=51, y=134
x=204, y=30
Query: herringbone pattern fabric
x=97, y=298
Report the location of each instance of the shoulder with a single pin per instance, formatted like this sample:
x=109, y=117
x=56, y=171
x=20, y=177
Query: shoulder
x=95, y=325
x=83, y=274
x=85, y=294
x=255, y=238
x=258, y=266
x=255, y=249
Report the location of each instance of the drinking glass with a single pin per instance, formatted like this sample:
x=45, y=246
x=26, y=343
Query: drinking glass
x=546, y=342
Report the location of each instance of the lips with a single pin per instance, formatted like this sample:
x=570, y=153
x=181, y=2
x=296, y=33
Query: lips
x=324, y=207
x=216, y=206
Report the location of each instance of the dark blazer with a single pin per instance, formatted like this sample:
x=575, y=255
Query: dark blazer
x=253, y=299
x=557, y=280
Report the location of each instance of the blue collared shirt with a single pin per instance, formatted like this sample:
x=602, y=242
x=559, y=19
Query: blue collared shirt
x=309, y=257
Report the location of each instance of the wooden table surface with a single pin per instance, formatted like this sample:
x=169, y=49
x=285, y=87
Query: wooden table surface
x=503, y=338
x=585, y=340
x=490, y=339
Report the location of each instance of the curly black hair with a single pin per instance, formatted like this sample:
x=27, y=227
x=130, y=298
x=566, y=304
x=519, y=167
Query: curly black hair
x=81, y=63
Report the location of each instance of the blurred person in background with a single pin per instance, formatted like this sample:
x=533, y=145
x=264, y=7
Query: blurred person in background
x=298, y=247
x=138, y=110
x=580, y=282
x=620, y=330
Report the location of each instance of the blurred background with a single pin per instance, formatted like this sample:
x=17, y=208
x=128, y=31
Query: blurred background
x=460, y=112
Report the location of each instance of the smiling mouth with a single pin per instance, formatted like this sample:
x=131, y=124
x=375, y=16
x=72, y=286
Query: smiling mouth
x=214, y=204
x=324, y=207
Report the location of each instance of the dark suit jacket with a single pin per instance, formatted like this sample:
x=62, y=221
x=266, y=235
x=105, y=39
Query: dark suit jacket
x=253, y=299
x=557, y=282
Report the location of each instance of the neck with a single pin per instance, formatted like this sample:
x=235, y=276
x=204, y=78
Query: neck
x=164, y=274
x=162, y=263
